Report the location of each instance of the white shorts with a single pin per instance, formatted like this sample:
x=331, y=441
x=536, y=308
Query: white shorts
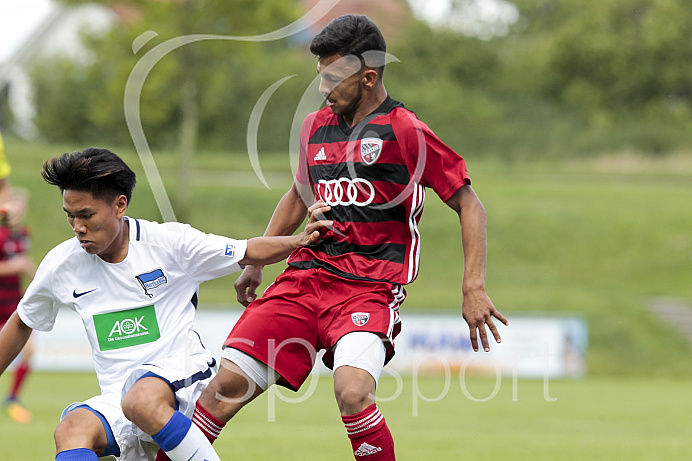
x=362, y=350
x=131, y=447
x=188, y=373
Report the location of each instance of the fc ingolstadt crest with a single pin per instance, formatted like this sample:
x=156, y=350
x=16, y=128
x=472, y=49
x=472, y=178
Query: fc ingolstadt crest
x=370, y=149
x=360, y=318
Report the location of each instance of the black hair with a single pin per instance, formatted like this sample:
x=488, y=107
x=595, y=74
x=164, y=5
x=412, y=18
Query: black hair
x=94, y=170
x=351, y=34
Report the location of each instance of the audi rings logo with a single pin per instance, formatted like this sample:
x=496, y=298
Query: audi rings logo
x=345, y=192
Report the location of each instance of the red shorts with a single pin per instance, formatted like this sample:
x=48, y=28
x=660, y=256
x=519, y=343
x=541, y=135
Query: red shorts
x=307, y=310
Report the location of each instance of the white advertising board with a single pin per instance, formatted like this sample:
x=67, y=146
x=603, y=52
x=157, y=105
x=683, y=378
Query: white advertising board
x=532, y=346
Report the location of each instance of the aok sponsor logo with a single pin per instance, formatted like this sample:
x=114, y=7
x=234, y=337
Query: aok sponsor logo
x=132, y=327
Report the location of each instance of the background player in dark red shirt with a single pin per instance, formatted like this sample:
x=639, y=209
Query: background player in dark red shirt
x=14, y=264
x=370, y=160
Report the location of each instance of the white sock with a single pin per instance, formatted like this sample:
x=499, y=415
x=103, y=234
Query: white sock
x=180, y=444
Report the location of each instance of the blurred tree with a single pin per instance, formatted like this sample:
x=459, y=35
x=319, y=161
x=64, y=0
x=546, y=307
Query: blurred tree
x=571, y=76
x=448, y=79
x=616, y=55
x=61, y=115
x=209, y=73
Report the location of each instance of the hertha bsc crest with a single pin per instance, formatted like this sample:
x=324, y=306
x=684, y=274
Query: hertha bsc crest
x=151, y=280
x=360, y=318
x=370, y=149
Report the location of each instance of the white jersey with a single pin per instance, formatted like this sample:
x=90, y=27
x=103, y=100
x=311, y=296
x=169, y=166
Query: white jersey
x=137, y=310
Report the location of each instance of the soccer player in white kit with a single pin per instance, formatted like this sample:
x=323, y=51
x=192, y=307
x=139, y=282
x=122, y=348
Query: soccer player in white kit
x=135, y=285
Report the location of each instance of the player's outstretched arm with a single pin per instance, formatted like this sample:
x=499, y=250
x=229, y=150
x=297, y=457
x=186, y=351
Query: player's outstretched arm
x=289, y=213
x=268, y=250
x=477, y=308
x=17, y=265
x=13, y=337
x=288, y=216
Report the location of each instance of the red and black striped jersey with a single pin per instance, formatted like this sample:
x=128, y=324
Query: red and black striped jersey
x=374, y=177
x=13, y=242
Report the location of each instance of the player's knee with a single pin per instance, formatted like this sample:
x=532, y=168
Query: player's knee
x=228, y=393
x=72, y=433
x=63, y=433
x=353, y=399
x=354, y=389
x=149, y=400
x=135, y=404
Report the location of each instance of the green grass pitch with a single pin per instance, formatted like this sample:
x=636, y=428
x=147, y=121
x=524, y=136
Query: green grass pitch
x=595, y=238
x=431, y=419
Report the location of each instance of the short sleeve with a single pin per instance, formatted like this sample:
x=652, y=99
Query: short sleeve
x=432, y=162
x=207, y=256
x=39, y=307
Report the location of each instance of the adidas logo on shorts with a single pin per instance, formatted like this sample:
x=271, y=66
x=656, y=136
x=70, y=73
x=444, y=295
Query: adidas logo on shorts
x=366, y=449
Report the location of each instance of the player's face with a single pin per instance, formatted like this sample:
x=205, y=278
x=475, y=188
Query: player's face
x=97, y=223
x=340, y=83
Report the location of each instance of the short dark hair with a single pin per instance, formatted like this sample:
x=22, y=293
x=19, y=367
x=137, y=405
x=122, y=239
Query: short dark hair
x=351, y=34
x=94, y=170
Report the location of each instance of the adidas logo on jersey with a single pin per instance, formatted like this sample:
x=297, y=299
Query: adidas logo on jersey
x=366, y=449
x=321, y=155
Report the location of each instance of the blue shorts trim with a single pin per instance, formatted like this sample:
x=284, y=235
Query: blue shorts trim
x=112, y=449
x=181, y=383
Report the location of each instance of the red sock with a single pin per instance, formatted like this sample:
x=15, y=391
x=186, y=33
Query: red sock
x=210, y=426
x=161, y=456
x=370, y=436
x=20, y=374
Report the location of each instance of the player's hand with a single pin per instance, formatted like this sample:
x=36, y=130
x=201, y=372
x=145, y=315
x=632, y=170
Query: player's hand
x=478, y=311
x=247, y=283
x=316, y=222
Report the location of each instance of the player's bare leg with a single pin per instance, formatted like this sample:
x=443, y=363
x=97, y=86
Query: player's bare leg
x=80, y=431
x=229, y=391
x=150, y=404
x=12, y=403
x=358, y=361
x=354, y=390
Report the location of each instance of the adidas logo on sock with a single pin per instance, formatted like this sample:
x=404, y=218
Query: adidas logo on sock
x=321, y=155
x=366, y=449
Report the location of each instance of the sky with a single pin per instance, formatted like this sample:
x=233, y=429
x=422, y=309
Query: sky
x=18, y=18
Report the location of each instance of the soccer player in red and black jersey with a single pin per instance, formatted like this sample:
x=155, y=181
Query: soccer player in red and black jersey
x=370, y=159
x=14, y=264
